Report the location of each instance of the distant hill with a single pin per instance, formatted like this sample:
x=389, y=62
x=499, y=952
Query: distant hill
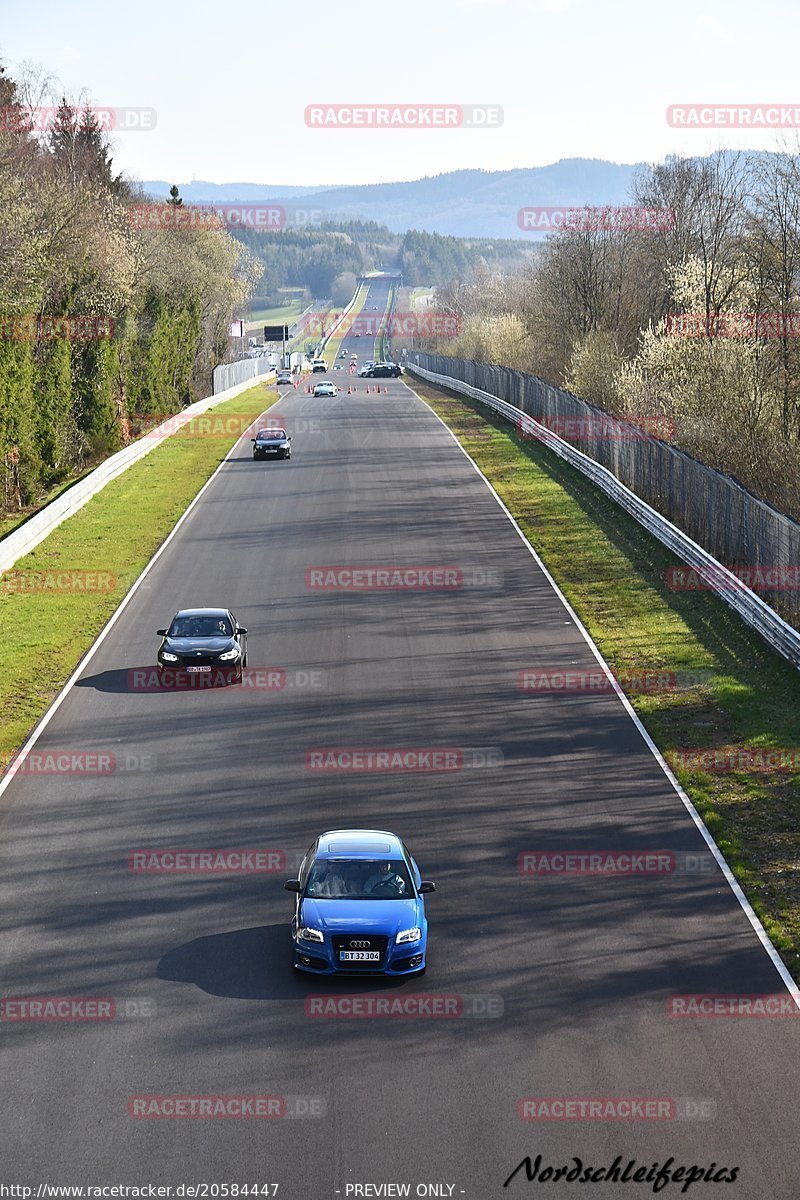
x=200, y=191
x=462, y=203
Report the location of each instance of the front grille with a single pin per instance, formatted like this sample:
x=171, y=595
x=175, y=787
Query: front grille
x=200, y=660
x=342, y=941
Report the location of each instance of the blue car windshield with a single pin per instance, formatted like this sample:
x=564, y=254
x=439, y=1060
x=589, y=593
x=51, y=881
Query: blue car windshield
x=359, y=879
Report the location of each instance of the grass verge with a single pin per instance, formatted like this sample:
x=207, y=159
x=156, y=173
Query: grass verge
x=51, y=612
x=744, y=697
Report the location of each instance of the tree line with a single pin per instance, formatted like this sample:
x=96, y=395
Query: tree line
x=104, y=326
x=695, y=317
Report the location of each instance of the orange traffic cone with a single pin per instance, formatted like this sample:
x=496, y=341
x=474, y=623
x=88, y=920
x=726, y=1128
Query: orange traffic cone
x=367, y=389
x=349, y=390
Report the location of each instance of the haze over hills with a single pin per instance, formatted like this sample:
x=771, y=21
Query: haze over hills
x=463, y=203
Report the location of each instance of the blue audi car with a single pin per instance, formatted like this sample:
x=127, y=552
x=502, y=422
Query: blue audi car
x=360, y=907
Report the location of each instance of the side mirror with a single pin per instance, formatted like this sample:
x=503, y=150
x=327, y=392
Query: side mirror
x=289, y=438
x=426, y=886
x=161, y=633
x=292, y=885
x=239, y=630
x=252, y=439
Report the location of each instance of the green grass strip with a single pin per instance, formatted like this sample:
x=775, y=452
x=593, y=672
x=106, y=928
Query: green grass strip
x=614, y=575
x=48, y=619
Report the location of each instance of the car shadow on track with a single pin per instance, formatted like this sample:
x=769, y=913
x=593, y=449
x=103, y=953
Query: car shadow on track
x=145, y=680
x=255, y=964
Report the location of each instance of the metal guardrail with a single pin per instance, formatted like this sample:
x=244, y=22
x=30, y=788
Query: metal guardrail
x=27, y=537
x=749, y=606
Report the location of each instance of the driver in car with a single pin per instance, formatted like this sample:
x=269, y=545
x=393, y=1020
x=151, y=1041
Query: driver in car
x=383, y=879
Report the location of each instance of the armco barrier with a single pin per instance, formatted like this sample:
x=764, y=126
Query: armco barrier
x=750, y=607
x=21, y=541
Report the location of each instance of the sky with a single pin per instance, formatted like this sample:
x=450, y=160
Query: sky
x=228, y=86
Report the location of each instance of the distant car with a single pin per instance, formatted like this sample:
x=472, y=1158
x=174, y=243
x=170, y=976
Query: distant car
x=201, y=641
x=356, y=335
x=360, y=908
x=325, y=389
x=319, y=364
x=354, y=357
x=284, y=377
x=383, y=370
x=342, y=354
x=272, y=443
x=365, y=369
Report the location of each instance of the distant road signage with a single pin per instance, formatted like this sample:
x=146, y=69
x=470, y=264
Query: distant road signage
x=276, y=333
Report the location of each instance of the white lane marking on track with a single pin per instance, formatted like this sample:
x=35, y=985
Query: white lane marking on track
x=101, y=637
x=752, y=917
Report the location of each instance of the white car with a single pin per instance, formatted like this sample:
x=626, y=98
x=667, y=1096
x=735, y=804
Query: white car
x=325, y=389
x=318, y=364
x=366, y=367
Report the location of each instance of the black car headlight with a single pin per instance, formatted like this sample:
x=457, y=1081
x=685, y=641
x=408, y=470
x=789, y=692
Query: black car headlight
x=230, y=654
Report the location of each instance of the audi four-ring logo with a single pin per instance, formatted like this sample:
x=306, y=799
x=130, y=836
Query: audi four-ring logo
x=359, y=945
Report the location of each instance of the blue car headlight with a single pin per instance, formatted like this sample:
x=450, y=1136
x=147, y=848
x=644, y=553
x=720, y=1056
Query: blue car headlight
x=229, y=654
x=409, y=935
x=307, y=934
x=167, y=657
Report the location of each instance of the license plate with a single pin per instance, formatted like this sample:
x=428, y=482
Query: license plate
x=198, y=670
x=359, y=956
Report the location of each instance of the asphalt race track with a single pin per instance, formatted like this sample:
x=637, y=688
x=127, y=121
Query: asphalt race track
x=551, y=986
